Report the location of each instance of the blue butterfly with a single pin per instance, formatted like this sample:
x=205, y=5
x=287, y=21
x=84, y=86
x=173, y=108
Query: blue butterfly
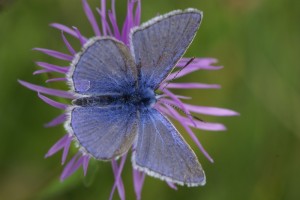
x=115, y=89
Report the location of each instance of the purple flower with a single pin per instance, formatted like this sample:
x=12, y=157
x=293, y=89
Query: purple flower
x=168, y=104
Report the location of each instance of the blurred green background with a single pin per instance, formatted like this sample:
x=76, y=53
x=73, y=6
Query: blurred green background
x=257, y=158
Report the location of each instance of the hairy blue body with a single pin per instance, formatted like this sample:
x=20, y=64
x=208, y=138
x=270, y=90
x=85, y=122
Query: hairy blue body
x=141, y=98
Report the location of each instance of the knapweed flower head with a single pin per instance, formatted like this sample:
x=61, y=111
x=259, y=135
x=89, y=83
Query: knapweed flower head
x=109, y=34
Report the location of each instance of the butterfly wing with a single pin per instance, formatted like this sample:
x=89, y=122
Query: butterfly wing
x=104, y=67
x=158, y=45
x=162, y=152
x=104, y=132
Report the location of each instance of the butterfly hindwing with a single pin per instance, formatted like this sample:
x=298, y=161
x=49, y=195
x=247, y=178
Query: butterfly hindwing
x=157, y=45
x=162, y=152
x=104, y=67
x=104, y=132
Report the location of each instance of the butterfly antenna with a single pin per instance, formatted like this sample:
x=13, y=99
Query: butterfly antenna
x=187, y=64
x=187, y=114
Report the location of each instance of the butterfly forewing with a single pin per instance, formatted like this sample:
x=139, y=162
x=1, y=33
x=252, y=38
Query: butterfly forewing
x=105, y=67
x=158, y=44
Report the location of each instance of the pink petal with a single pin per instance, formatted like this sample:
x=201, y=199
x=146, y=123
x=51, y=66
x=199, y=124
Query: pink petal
x=208, y=126
x=57, y=146
x=64, y=29
x=178, y=103
x=189, y=69
x=80, y=37
x=68, y=45
x=192, y=86
x=211, y=110
x=41, y=71
x=183, y=97
x=196, y=123
x=103, y=15
x=54, y=68
x=85, y=164
x=91, y=17
x=71, y=167
x=138, y=182
x=128, y=23
x=56, y=121
x=66, y=150
x=55, y=54
x=114, y=25
x=44, y=90
x=118, y=181
x=105, y=26
x=172, y=185
x=52, y=102
x=138, y=13
x=56, y=80
x=200, y=61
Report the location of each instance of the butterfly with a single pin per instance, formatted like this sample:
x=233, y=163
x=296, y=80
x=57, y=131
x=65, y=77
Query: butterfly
x=115, y=100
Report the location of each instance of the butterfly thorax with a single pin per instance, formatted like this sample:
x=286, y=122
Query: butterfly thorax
x=143, y=98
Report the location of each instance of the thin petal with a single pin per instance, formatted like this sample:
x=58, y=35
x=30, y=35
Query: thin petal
x=162, y=97
x=55, y=54
x=91, y=17
x=80, y=37
x=124, y=32
x=64, y=29
x=203, y=109
x=128, y=23
x=118, y=181
x=56, y=80
x=71, y=167
x=138, y=182
x=41, y=71
x=183, y=97
x=105, y=26
x=207, y=126
x=52, y=102
x=196, y=124
x=179, y=104
x=56, y=121
x=191, y=86
x=57, y=146
x=66, y=150
x=54, y=68
x=200, y=61
x=44, y=90
x=68, y=45
x=85, y=164
x=138, y=13
x=197, y=64
x=103, y=16
x=172, y=185
x=211, y=110
x=114, y=25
